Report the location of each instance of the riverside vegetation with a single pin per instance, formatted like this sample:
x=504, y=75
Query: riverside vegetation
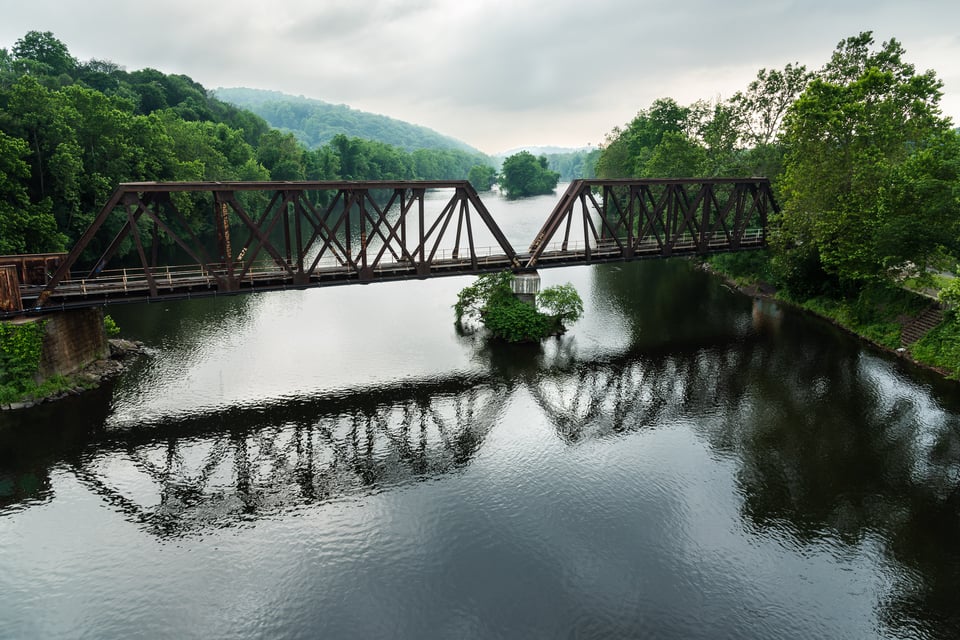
x=866, y=169
x=21, y=349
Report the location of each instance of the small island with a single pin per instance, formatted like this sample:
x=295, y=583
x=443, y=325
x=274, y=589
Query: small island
x=524, y=174
x=491, y=300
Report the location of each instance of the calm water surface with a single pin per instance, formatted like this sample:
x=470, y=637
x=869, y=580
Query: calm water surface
x=684, y=463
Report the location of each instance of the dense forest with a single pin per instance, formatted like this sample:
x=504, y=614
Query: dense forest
x=70, y=131
x=867, y=172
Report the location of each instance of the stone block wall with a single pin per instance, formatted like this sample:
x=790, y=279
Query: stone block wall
x=72, y=340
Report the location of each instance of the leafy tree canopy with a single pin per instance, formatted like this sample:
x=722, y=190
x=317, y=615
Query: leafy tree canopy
x=869, y=165
x=523, y=174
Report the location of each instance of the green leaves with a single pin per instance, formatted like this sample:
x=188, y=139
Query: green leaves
x=562, y=301
x=20, y=349
x=491, y=301
x=523, y=174
x=850, y=175
x=482, y=177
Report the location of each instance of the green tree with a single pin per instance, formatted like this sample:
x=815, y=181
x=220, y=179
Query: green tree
x=627, y=151
x=758, y=112
x=851, y=131
x=562, y=302
x=676, y=156
x=523, y=174
x=43, y=53
x=282, y=156
x=24, y=227
x=482, y=177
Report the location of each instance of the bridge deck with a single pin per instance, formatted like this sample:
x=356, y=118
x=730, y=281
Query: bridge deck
x=314, y=234
x=194, y=281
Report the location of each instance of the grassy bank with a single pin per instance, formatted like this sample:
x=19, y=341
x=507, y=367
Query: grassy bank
x=877, y=312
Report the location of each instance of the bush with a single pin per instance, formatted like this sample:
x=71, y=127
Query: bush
x=940, y=348
x=20, y=348
x=110, y=326
x=491, y=301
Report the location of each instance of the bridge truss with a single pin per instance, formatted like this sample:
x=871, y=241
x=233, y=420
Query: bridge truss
x=264, y=236
x=653, y=218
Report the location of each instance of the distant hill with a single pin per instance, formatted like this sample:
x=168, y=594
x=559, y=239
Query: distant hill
x=315, y=122
x=545, y=151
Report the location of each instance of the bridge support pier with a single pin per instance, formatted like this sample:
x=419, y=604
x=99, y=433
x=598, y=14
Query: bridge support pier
x=526, y=286
x=71, y=341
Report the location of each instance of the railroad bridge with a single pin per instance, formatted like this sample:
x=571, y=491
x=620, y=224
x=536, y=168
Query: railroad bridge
x=149, y=243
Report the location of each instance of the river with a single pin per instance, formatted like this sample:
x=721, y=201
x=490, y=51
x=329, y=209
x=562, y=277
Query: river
x=685, y=462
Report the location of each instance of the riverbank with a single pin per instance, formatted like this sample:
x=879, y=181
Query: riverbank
x=122, y=353
x=878, y=322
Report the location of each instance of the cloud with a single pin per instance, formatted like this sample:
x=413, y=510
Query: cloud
x=491, y=72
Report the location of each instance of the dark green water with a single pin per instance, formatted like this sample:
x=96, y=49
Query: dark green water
x=684, y=463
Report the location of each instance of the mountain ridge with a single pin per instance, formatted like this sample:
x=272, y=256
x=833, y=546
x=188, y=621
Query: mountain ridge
x=315, y=122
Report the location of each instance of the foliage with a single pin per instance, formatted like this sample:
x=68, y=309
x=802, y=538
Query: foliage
x=490, y=300
x=24, y=226
x=758, y=112
x=733, y=138
x=562, y=302
x=43, y=53
x=940, y=347
x=524, y=174
x=744, y=267
x=515, y=321
x=875, y=312
x=472, y=299
x=110, y=326
x=849, y=184
x=574, y=165
x=20, y=348
x=950, y=296
x=482, y=177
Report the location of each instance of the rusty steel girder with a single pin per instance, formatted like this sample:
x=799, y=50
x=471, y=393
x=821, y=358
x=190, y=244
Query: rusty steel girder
x=640, y=218
x=264, y=236
x=306, y=234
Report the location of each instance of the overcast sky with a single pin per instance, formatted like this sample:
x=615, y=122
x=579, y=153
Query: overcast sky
x=496, y=74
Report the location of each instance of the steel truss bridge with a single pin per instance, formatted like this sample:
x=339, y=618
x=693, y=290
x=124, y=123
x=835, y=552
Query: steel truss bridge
x=270, y=236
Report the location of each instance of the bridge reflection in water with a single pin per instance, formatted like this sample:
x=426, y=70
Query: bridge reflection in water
x=874, y=477
x=180, y=475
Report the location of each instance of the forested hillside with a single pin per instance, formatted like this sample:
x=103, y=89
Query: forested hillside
x=315, y=123
x=71, y=130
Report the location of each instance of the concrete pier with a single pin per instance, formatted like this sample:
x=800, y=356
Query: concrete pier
x=526, y=286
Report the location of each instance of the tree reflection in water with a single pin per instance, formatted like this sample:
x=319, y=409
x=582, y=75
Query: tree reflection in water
x=829, y=444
